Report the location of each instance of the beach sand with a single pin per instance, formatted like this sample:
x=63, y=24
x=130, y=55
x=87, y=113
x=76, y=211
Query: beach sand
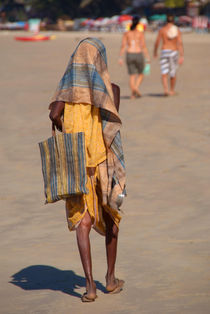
x=164, y=239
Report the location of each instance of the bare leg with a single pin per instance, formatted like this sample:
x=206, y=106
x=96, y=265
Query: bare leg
x=83, y=242
x=138, y=83
x=165, y=83
x=173, y=83
x=111, y=253
x=132, y=79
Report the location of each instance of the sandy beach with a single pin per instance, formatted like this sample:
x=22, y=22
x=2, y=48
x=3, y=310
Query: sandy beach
x=164, y=240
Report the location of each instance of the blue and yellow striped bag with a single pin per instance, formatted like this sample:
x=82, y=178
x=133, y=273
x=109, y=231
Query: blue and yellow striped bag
x=63, y=166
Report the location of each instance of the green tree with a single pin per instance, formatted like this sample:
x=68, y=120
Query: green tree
x=55, y=8
x=174, y=3
x=72, y=8
x=14, y=10
x=77, y=8
x=103, y=8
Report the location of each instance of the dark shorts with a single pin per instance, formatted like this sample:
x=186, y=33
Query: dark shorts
x=135, y=62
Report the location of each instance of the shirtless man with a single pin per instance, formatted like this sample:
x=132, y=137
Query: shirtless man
x=134, y=43
x=172, y=53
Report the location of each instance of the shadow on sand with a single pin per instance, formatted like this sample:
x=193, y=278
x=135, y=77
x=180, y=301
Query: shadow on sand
x=146, y=95
x=156, y=95
x=125, y=97
x=37, y=277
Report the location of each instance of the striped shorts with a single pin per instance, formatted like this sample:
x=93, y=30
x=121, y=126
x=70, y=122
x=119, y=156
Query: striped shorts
x=169, y=62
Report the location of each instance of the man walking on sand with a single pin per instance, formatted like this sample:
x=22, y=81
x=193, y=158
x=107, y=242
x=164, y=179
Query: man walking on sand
x=89, y=104
x=172, y=53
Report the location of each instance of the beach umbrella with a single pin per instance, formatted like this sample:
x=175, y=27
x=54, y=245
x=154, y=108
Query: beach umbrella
x=123, y=18
x=105, y=21
x=86, y=22
x=83, y=23
x=158, y=17
x=98, y=21
x=114, y=19
x=185, y=18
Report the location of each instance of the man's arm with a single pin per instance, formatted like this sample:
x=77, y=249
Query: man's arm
x=180, y=48
x=157, y=42
x=144, y=48
x=123, y=47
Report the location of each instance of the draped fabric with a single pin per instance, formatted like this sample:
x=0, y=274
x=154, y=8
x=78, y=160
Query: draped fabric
x=86, y=118
x=86, y=80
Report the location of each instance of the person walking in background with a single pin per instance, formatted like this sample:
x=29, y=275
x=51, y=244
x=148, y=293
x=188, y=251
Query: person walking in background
x=133, y=42
x=172, y=53
x=89, y=103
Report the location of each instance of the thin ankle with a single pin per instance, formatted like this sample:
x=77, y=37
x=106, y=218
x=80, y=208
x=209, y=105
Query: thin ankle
x=110, y=277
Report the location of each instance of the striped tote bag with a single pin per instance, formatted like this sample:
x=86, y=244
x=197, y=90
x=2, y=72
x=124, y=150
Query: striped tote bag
x=63, y=166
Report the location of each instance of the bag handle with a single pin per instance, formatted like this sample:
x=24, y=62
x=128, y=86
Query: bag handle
x=54, y=128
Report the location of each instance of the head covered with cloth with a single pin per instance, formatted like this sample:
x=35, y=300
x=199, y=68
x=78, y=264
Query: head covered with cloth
x=86, y=80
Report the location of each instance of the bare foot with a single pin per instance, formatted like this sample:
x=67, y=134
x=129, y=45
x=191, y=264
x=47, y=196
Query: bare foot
x=133, y=95
x=90, y=294
x=137, y=93
x=172, y=93
x=166, y=94
x=114, y=285
x=86, y=298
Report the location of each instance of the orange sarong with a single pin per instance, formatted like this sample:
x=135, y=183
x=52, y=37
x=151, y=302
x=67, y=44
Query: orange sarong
x=86, y=118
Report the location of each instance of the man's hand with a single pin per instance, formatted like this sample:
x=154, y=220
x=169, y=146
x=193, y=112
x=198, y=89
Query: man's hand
x=116, y=93
x=120, y=61
x=181, y=60
x=155, y=55
x=56, y=111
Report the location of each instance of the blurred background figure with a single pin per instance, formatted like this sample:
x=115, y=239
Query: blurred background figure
x=133, y=42
x=172, y=53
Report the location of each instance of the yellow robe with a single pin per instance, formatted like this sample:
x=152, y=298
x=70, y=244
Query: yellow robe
x=86, y=118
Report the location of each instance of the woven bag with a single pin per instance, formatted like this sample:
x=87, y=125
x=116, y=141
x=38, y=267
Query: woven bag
x=63, y=166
